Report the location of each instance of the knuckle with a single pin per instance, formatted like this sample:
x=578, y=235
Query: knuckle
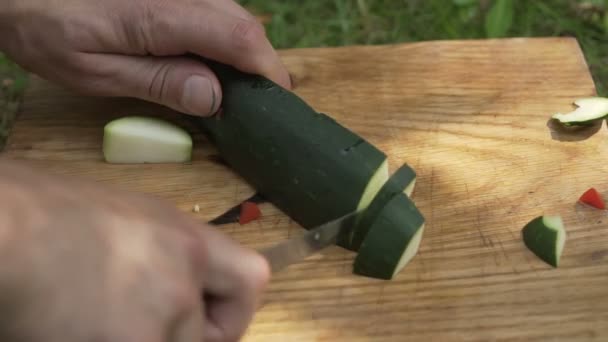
x=257, y=275
x=82, y=75
x=141, y=34
x=248, y=34
x=82, y=66
x=75, y=31
x=233, y=334
x=159, y=85
x=195, y=250
x=147, y=13
x=183, y=298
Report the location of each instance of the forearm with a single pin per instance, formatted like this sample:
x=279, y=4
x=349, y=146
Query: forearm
x=17, y=203
x=24, y=192
x=42, y=246
x=13, y=230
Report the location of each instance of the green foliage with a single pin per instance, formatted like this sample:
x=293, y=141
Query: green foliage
x=12, y=84
x=499, y=19
x=296, y=24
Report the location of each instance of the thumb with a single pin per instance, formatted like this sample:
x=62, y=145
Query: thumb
x=180, y=83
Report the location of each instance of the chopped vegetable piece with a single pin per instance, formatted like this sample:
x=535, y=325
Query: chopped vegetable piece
x=392, y=241
x=196, y=208
x=232, y=215
x=402, y=181
x=589, y=111
x=593, y=198
x=135, y=140
x=249, y=212
x=545, y=236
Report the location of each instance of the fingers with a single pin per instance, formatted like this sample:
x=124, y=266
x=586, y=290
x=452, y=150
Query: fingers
x=180, y=318
x=234, y=280
x=230, y=7
x=188, y=328
x=179, y=83
x=219, y=33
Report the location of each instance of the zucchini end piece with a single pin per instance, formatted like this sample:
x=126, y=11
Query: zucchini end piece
x=545, y=236
x=138, y=139
x=588, y=112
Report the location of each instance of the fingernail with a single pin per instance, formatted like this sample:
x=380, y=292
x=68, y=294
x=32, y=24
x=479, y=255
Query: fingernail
x=199, y=97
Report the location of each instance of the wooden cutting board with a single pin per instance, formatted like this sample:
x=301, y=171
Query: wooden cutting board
x=472, y=118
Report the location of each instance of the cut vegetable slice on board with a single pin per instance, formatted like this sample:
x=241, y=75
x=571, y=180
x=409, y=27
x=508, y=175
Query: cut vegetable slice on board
x=392, y=241
x=304, y=162
x=593, y=198
x=249, y=212
x=136, y=139
x=589, y=110
x=402, y=181
x=545, y=236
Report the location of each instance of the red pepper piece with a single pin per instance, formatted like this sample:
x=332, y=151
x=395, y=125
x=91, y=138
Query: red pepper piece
x=593, y=198
x=249, y=212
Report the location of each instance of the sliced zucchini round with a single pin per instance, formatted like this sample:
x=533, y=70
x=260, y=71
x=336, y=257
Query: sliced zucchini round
x=402, y=181
x=392, y=241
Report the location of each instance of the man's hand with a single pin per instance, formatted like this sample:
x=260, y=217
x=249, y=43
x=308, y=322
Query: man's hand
x=82, y=262
x=134, y=48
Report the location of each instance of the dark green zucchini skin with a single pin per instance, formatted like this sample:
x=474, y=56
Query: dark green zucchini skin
x=395, y=185
x=391, y=232
x=541, y=240
x=304, y=162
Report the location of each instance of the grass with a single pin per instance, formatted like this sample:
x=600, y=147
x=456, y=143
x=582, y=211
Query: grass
x=315, y=23
x=344, y=22
x=12, y=83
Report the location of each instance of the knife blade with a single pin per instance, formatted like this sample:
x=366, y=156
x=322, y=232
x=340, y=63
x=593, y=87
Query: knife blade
x=312, y=241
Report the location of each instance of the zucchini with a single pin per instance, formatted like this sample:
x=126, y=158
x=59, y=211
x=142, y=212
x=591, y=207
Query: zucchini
x=545, y=236
x=402, y=181
x=138, y=139
x=589, y=111
x=392, y=240
x=304, y=162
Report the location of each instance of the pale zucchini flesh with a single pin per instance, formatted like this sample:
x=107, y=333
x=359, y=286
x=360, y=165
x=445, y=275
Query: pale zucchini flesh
x=588, y=111
x=371, y=190
x=137, y=139
x=410, y=187
x=410, y=251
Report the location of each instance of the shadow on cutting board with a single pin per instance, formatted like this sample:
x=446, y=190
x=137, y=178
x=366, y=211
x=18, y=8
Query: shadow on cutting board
x=574, y=133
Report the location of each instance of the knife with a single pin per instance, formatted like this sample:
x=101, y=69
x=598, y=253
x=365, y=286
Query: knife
x=314, y=240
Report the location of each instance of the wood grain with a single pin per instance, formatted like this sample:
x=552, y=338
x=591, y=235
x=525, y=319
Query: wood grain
x=472, y=118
